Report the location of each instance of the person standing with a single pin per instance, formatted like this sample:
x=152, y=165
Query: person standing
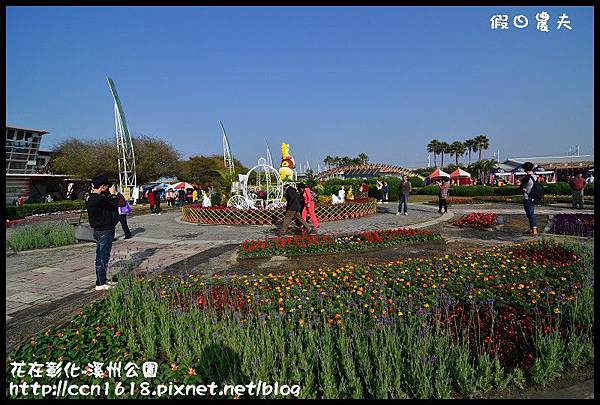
x=135, y=195
x=577, y=185
x=444, y=185
x=386, y=191
x=379, y=186
x=195, y=196
x=151, y=200
x=292, y=210
x=121, y=217
x=528, y=201
x=170, y=197
x=101, y=206
x=309, y=205
x=156, y=193
x=404, y=192
x=20, y=201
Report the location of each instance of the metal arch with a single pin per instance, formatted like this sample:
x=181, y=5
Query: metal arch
x=227, y=159
x=126, y=158
x=274, y=192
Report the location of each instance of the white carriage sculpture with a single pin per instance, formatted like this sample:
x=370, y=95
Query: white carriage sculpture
x=260, y=188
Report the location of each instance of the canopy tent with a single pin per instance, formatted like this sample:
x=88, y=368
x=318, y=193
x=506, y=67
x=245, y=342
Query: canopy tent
x=460, y=174
x=182, y=185
x=541, y=170
x=162, y=186
x=438, y=173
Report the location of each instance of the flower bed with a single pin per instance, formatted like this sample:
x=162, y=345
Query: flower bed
x=332, y=243
x=234, y=216
x=478, y=220
x=573, y=224
x=449, y=326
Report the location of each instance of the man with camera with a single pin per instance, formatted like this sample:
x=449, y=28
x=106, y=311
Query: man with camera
x=101, y=205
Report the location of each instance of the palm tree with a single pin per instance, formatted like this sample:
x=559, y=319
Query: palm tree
x=444, y=148
x=433, y=147
x=458, y=149
x=364, y=158
x=483, y=143
x=469, y=144
x=486, y=166
x=328, y=161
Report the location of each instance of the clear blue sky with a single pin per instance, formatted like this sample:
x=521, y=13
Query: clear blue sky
x=329, y=81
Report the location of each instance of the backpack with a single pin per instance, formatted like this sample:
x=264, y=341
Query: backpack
x=537, y=191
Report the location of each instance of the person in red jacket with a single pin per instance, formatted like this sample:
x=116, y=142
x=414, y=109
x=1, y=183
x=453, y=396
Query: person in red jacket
x=577, y=185
x=151, y=201
x=309, y=205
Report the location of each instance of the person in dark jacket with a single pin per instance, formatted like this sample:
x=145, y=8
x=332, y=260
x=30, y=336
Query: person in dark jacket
x=122, y=218
x=292, y=210
x=101, y=206
x=404, y=191
x=156, y=193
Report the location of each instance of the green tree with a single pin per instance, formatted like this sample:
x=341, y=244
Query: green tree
x=310, y=181
x=154, y=158
x=434, y=147
x=481, y=143
x=206, y=170
x=469, y=144
x=363, y=158
x=444, y=147
x=457, y=148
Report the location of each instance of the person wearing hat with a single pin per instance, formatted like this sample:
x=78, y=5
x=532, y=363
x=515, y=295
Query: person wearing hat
x=292, y=210
x=101, y=206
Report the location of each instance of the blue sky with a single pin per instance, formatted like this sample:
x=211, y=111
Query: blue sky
x=329, y=81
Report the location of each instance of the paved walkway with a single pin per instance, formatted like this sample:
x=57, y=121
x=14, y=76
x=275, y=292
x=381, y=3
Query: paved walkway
x=40, y=277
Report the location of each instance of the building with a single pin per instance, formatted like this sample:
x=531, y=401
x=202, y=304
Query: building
x=563, y=166
x=27, y=171
x=365, y=171
x=22, y=147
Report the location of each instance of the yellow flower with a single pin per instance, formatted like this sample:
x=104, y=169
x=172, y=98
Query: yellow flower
x=301, y=322
x=557, y=310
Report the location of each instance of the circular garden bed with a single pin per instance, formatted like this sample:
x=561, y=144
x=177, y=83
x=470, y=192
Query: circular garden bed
x=234, y=216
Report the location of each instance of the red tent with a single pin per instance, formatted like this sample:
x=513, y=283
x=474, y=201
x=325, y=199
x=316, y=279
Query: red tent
x=460, y=173
x=460, y=177
x=437, y=173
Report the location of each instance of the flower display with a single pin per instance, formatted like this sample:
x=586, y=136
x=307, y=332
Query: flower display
x=478, y=220
x=313, y=244
x=327, y=326
x=574, y=224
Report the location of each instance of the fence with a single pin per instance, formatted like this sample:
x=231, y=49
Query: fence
x=233, y=216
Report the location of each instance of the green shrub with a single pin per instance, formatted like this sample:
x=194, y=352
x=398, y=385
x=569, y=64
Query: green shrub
x=16, y=212
x=40, y=236
x=507, y=190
